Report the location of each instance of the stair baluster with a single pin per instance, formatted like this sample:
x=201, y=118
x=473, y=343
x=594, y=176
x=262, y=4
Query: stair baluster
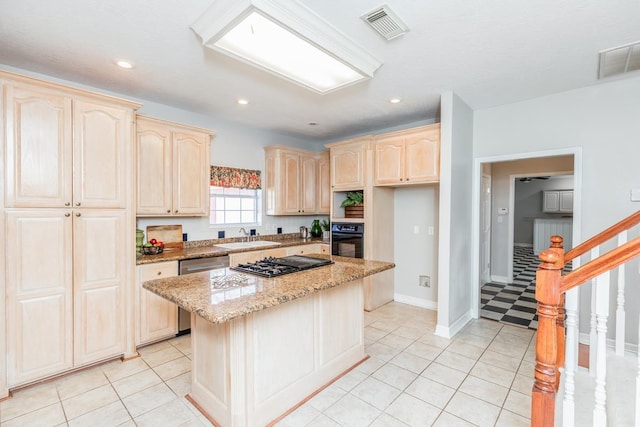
x=602, y=314
x=620, y=314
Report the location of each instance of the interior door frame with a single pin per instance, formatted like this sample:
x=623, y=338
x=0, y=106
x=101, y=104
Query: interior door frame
x=474, y=285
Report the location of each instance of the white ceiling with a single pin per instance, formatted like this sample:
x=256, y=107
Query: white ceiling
x=488, y=52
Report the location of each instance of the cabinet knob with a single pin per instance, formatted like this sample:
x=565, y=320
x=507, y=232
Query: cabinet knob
x=67, y=214
x=407, y=179
x=77, y=203
x=67, y=204
x=159, y=273
x=401, y=179
x=176, y=211
x=168, y=210
x=78, y=214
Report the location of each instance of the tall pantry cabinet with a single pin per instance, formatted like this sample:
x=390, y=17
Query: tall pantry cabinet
x=69, y=221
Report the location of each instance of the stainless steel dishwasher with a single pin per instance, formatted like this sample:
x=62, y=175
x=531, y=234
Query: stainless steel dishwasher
x=197, y=265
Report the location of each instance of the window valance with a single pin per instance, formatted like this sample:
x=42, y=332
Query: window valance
x=222, y=176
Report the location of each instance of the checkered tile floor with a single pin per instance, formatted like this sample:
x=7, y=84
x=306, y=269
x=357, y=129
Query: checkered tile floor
x=514, y=303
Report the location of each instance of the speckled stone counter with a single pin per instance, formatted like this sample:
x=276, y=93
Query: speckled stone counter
x=208, y=248
x=199, y=294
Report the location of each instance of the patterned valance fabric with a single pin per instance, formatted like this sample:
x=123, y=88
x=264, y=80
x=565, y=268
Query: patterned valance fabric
x=222, y=176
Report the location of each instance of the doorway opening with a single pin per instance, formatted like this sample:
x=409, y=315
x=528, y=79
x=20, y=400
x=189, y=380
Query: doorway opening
x=507, y=216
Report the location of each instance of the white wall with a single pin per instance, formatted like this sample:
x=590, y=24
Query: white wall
x=604, y=121
x=416, y=253
x=455, y=216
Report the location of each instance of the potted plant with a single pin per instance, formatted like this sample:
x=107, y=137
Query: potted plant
x=326, y=230
x=353, y=205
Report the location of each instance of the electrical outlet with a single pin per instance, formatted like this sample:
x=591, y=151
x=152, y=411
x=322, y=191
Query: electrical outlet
x=425, y=281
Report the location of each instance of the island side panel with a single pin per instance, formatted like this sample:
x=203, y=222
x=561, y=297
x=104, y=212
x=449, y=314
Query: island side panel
x=275, y=358
x=210, y=379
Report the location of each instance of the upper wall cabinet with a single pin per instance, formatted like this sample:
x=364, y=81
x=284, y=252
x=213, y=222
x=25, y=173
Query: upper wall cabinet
x=173, y=163
x=348, y=160
x=296, y=181
x=407, y=157
x=64, y=150
x=558, y=201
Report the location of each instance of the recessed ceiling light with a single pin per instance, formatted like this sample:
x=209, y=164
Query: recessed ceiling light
x=312, y=123
x=124, y=64
x=243, y=101
x=287, y=39
x=395, y=100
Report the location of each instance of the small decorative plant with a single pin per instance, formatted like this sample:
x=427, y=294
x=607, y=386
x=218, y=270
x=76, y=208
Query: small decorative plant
x=353, y=198
x=326, y=226
x=353, y=205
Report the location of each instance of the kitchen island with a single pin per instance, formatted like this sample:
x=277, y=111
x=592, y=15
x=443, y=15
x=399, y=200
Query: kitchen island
x=255, y=357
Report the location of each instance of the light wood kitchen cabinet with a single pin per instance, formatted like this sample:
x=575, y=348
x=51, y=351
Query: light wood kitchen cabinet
x=410, y=156
x=66, y=289
x=100, y=282
x=64, y=151
x=348, y=160
x=39, y=294
x=245, y=257
x=157, y=318
x=70, y=228
x=295, y=182
x=557, y=201
x=173, y=169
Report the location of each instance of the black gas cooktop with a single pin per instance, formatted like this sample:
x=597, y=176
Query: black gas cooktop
x=272, y=267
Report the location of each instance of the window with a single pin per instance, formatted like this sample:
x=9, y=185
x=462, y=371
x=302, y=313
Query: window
x=235, y=206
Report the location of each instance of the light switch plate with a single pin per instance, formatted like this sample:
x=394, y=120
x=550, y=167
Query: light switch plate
x=635, y=194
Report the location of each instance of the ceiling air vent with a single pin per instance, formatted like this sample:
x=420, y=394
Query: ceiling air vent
x=619, y=60
x=385, y=22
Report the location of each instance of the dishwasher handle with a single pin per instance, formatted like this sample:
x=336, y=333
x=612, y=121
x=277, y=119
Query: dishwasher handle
x=203, y=264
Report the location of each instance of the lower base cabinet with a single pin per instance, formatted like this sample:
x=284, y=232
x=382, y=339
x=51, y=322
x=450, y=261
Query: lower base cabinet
x=157, y=317
x=66, y=279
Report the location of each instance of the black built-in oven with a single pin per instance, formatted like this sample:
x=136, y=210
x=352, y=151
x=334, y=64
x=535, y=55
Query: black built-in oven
x=347, y=239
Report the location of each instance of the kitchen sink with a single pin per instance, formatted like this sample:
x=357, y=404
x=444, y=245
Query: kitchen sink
x=245, y=245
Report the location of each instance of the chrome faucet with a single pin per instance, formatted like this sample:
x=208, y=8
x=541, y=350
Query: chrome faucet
x=246, y=234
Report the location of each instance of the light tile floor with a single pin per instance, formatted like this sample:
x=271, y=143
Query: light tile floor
x=483, y=377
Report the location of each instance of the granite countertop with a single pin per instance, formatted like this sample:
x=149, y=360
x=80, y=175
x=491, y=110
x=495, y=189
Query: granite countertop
x=221, y=295
x=208, y=248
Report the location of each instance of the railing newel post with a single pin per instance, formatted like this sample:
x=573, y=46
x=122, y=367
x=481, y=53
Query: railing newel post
x=548, y=295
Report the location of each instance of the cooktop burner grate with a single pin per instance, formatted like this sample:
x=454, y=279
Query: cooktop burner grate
x=273, y=267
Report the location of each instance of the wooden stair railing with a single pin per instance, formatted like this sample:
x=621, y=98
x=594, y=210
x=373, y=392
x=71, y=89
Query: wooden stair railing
x=551, y=287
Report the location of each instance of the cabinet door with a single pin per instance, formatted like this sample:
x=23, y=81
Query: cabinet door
x=245, y=257
x=38, y=147
x=551, y=202
x=389, y=161
x=102, y=138
x=566, y=201
x=39, y=294
x=324, y=185
x=308, y=184
x=157, y=318
x=154, y=150
x=347, y=166
x=422, y=156
x=290, y=197
x=191, y=173
x=100, y=240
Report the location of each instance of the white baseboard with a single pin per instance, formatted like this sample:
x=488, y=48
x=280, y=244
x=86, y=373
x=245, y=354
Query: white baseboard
x=523, y=245
x=500, y=279
x=584, y=338
x=418, y=302
x=451, y=331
